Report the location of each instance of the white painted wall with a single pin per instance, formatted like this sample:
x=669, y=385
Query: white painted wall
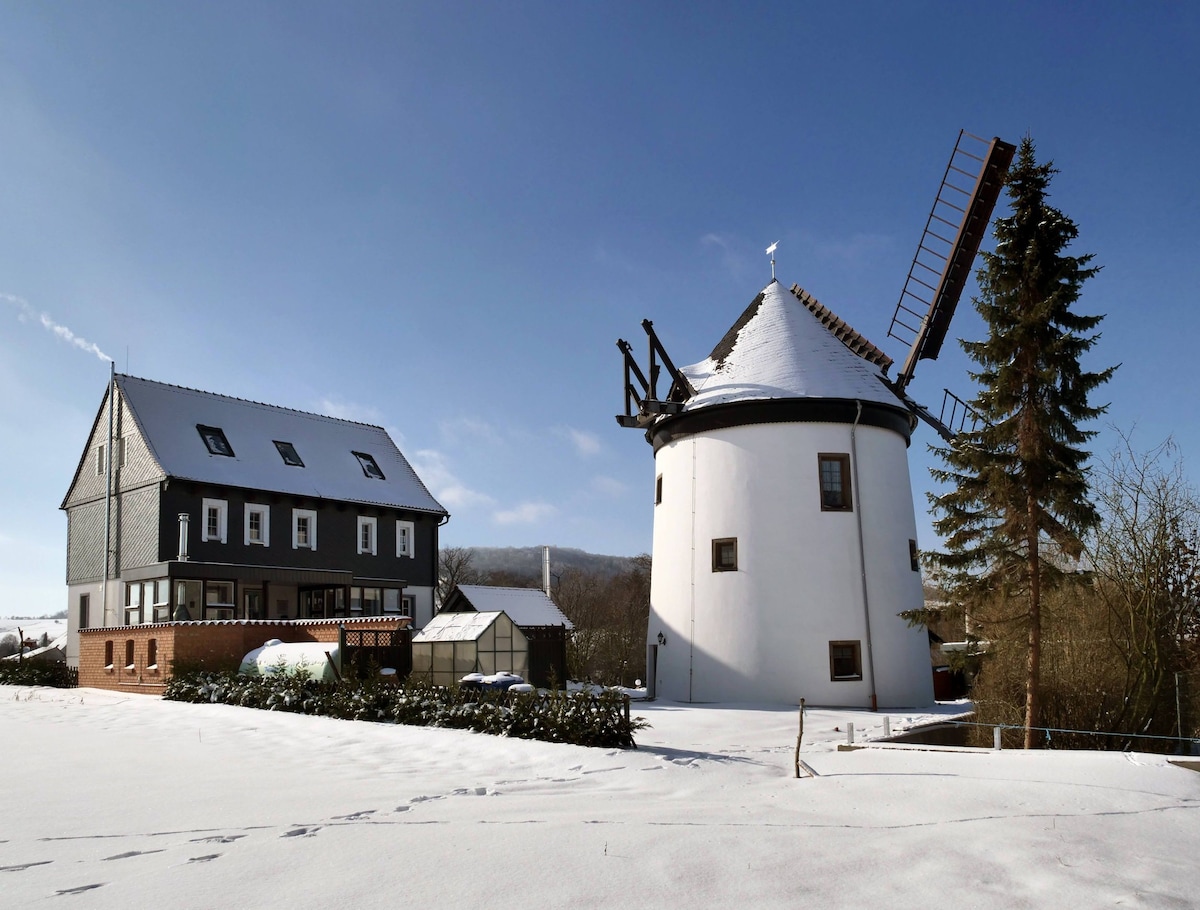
x=762, y=633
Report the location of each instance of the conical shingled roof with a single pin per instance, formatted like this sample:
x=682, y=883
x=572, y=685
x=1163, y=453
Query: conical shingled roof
x=779, y=349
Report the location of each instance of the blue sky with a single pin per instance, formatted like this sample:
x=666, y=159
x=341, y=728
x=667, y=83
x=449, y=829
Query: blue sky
x=439, y=217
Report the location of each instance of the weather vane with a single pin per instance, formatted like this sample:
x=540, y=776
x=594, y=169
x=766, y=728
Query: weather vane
x=771, y=253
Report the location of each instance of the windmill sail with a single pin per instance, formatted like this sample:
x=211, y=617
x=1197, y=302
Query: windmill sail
x=944, y=257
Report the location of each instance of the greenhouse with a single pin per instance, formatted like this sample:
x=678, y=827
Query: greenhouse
x=454, y=644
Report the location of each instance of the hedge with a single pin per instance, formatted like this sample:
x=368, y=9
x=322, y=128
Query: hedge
x=581, y=718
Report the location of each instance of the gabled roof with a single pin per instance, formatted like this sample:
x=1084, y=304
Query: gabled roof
x=525, y=606
x=169, y=416
x=781, y=348
x=456, y=627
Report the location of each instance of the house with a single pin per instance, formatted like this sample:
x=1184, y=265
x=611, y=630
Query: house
x=543, y=624
x=784, y=529
x=190, y=507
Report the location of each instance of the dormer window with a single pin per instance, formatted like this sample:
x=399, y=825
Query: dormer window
x=214, y=438
x=369, y=467
x=289, y=454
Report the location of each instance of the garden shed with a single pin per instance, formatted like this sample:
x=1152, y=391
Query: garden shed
x=537, y=616
x=454, y=644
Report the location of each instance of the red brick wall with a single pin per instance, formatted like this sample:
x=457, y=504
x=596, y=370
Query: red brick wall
x=209, y=646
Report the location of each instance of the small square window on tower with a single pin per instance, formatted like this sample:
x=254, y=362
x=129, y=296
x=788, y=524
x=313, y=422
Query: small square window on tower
x=724, y=554
x=215, y=441
x=914, y=555
x=834, y=472
x=369, y=466
x=658, y=489
x=845, y=661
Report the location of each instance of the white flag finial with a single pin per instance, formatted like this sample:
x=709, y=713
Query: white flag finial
x=771, y=253
x=771, y=248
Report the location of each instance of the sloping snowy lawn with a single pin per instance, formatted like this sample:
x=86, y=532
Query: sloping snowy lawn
x=127, y=802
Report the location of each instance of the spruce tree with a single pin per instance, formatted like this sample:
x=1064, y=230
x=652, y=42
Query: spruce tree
x=1018, y=497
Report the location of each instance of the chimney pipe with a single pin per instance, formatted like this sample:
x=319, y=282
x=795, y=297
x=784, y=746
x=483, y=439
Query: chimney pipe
x=183, y=536
x=546, y=570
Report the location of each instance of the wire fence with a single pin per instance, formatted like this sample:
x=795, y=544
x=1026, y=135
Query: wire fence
x=1188, y=744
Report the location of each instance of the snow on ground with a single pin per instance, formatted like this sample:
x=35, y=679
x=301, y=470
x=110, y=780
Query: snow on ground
x=130, y=801
x=34, y=628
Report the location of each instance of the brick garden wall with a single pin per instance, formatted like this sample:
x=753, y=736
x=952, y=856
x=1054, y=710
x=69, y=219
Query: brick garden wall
x=104, y=653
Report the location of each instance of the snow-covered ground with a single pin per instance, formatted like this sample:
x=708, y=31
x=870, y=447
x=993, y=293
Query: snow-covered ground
x=34, y=628
x=130, y=801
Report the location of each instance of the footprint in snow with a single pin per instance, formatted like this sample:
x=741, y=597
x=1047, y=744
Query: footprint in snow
x=204, y=859
x=131, y=853
x=424, y=799
x=217, y=839
x=81, y=888
x=355, y=816
x=470, y=791
x=302, y=832
x=23, y=866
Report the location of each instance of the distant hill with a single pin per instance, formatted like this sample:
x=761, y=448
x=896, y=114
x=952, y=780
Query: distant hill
x=528, y=561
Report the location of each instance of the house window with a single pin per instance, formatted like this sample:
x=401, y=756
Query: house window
x=129, y=654
x=304, y=529
x=409, y=605
x=724, y=554
x=404, y=539
x=218, y=600
x=84, y=606
x=152, y=654
x=214, y=439
x=162, y=600
x=289, y=454
x=914, y=556
x=100, y=461
x=369, y=466
x=845, y=661
x=658, y=489
x=391, y=600
x=108, y=655
x=216, y=514
x=258, y=525
x=835, y=483
x=366, y=534
x=133, y=604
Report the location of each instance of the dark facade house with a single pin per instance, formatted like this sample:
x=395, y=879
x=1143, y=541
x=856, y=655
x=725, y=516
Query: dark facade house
x=216, y=508
x=534, y=613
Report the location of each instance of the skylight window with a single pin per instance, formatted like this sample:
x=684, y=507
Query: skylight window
x=370, y=468
x=214, y=438
x=289, y=453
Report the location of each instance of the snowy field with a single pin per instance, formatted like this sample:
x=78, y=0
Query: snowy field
x=34, y=628
x=130, y=801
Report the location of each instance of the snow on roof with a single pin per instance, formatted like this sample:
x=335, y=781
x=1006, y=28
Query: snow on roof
x=168, y=417
x=456, y=627
x=524, y=606
x=779, y=349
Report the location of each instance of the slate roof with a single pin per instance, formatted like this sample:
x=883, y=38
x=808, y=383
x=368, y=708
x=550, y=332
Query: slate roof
x=780, y=348
x=525, y=606
x=168, y=417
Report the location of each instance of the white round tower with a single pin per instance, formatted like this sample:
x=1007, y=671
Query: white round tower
x=784, y=531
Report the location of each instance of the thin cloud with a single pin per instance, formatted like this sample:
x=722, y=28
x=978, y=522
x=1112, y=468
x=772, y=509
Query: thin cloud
x=586, y=444
x=460, y=430
x=27, y=313
x=446, y=488
x=729, y=253
x=524, y=513
x=608, y=486
x=331, y=406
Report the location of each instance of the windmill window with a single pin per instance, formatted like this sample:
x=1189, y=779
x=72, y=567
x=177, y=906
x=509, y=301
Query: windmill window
x=214, y=439
x=304, y=529
x=834, y=472
x=367, y=527
x=914, y=556
x=216, y=520
x=289, y=454
x=369, y=467
x=845, y=661
x=258, y=525
x=724, y=554
x=658, y=489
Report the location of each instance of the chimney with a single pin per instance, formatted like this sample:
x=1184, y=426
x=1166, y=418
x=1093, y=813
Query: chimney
x=546, y=570
x=183, y=536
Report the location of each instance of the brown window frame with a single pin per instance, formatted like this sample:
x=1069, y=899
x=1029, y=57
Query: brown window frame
x=847, y=492
x=717, y=564
x=658, y=489
x=856, y=645
x=914, y=555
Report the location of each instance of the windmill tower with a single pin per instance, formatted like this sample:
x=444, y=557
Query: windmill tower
x=784, y=529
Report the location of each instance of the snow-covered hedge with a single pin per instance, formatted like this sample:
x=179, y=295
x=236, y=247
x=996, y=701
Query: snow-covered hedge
x=582, y=718
x=37, y=673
